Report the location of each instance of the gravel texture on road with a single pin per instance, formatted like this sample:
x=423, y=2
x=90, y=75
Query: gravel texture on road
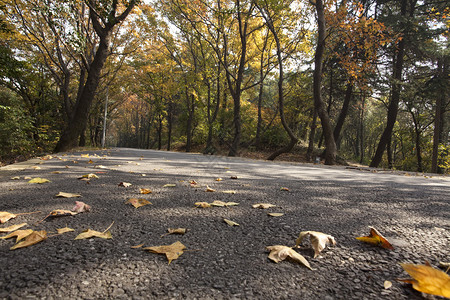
x=224, y=262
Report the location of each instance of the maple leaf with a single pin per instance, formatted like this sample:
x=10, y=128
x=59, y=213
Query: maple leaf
x=145, y=191
x=34, y=238
x=38, y=180
x=67, y=195
x=19, y=234
x=12, y=227
x=172, y=251
x=427, y=279
x=279, y=253
x=81, y=207
x=376, y=238
x=318, y=240
x=263, y=205
x=138, y=202
x=6, y=216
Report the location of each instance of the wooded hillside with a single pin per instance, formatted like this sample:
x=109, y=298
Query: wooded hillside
x=366, y=81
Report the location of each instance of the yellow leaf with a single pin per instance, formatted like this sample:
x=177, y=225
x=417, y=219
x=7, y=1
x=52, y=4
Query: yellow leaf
x=19, y=234
x=231, y=223
x=202, y=204
x=85, y=155
x=263, y=205
x=318, y=240
x=275, y=214
x=34, y=238
x=170, y=185
x=208, y=189
x=92, y=233
x=219, y=179
x=229, y=192
x=279, y=253
x=375, y=238
x=285, y=189
x=172, y=251
x=138, y=202
x=89, y=176
x=6, y=216
x=428, y=280
x=145, y=191
x=67, y=195
x=64, y=230
x=38, y=180
x=12, y=227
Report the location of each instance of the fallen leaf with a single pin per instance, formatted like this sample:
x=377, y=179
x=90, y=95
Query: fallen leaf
x=263, y=205
x=279, y=253
x=19, y=234
x=36, y=167
x=125, y=184
x=208, y=189
x=61, y=213
x=81, y=207
x=138, y=202
x=137, y=246
x=170, y=185
x=202, y=204
x=229, y=192
x=275, y=214
x=56, y=172
x=27, y=178
x=85, y=155
x=15, y=178
x=64, y=230
x=219, y=179
x=67, y=195
x=285, y=189
x=6, y=216
x=318, y=240
x=428, y=280
x=233, y=177
x=89, y=176
x=12, y=227
x=145, y=191
x=375, y=238
x=231, y=223
x=172, y=251
x=88, y=233
x=38, y=180
x=193, y=182
x=100, y=167
x=218, y=203
x=34, y=238
x=387, y=284
x=90, y=161
x=175, y=231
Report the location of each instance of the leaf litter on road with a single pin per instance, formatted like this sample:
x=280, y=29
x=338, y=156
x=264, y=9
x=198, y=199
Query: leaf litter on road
x=318, y=240
x=376, y=238
x=89, y=233
x=175, y=231
x=279, y=253
x=427, y=279
x=32, y=239
x=12, y=228
x=137, y=202
x=172, y=251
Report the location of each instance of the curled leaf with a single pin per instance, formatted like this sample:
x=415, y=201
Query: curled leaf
x=376, y=238
x=318, y=240
x=279, y=253
x=208, y=189
x=138, y=202
x=32, y=239
x=19, y=234
x=175, y=231
x=6, y=216
x=428, y=280
x=81, y=207
x=202, y=204
x=284, y=189
x=172, y=251
x=12, y=227
x=89, y=176
x=231, y=223
x=124, y=184
x=137, y=246
x=67, y=195
x=145, y=191
x=64, y=230
x=92, y=233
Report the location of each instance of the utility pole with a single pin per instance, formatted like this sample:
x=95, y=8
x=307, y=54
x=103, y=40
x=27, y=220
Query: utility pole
x=104, y=118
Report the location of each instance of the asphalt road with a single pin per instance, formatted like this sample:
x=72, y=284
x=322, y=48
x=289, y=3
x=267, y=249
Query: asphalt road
x=222, y=261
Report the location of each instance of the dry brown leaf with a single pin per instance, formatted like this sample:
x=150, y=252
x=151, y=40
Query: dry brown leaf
x=172, y=251
x=27, y=178
x=376, y=238
x=218, y=203
x=202, y=204
x=38, y=180
x=64, y=230
x=170, y=185
x=19, y=234
x=81, y=207
x=193, y=182
x=92, y=233
x=279, y=253
x=175, y=231
x=137, y=246
x=284, y=189
x=12, y=227
x=90, y=161
x=67, y=195
x=88, y=176
x=318, y=240
x=208, y=189
x=428, y=280
x=125, y=184
x=6, y=216
x=275, y=214
x=138, y=202
x=219, y=179
x=263, y=205
x=56, y=172
x=34, y=238
x=233, y=177
x=231, y=223
x=15, y=178
x=145, y=191
x=229, y=192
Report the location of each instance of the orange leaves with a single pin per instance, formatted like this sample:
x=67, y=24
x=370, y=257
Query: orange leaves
x=428, y=280
x=376, y=238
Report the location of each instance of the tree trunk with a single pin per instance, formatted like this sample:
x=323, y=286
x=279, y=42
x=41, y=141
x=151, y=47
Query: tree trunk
x=312, y=135
x=395, y=97
x=343, y=114
x=190, y=120
x=330, y=155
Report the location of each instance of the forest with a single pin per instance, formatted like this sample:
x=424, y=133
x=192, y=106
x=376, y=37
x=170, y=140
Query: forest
x=362, y=81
